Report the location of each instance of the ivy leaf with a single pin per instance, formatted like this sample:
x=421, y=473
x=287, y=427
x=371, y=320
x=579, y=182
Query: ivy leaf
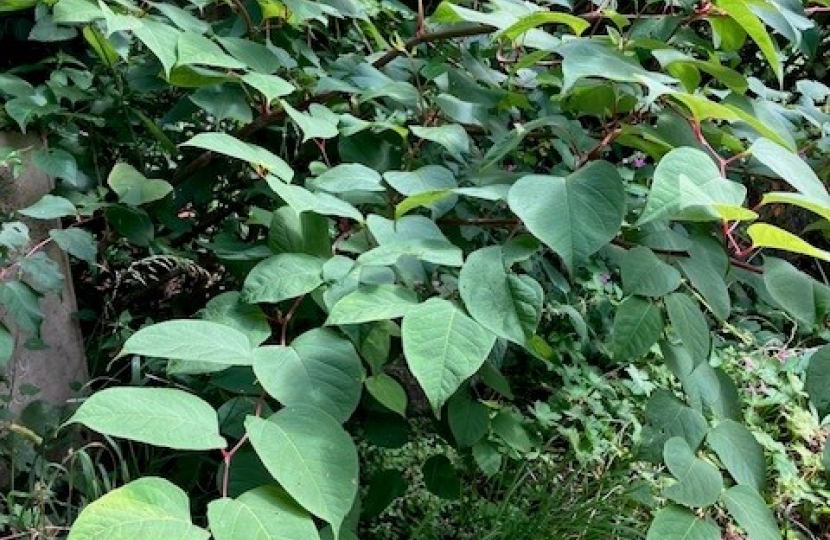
x=452, y=137
x=227, y=145
x=133, y=188
x=508, y=305
x=159, y=416
x=372, y=303
x=739, y=452
x=679, y=523
x=699, y=483
x=751, y=512
x=264, y=513
x=283, y=276
x=638, y=325
x=443, y=348
x=198, y=341
x=128, y=512
x=319, y=369
x=645, y=274
x=554, y=209
x=311, y=457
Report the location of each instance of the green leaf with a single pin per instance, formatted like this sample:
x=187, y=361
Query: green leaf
x=159, y=416
x=147, y=507
x=372, y=303
x=133, y=188
x=388, y=392
x=752, y=513
x=643, y=273
x=311, y=457
x=14, y=235
x=740, y=12
x=441, y=478
x=42, y=272
x=690, y=325
x=21, y=302
x=764, y=235
x=534, y=20
x=227, y=145
x=194, y=49
x=57, y=163
x=429, y=250
x=452, y=137
x=709, y=281
x=264, y=513
x=688, y=185
x=699, y=483
x=160, y=38
x=740, y=453
x=443, y=348
x=6, y=346
x=554, y=209
x=667, y=417
x=229, y=309
x=817, y=383
x=283, y=276
x=677, y=523
x=347, y=177
x=638, y=325
x=319, y=123
x=808, y=202
x=302, y=200
x=508, y=305
x=50, y=207
x=198, y=341
x=789, y=166
x=469, y=419
x=77, y=242
x=319, y=369
x=76, y=12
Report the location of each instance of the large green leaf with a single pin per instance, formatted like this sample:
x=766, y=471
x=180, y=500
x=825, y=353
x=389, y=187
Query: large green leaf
x=372, y=303
x=133, y=188
x=638, y=325
x=199, y=341
x=677, y=523
x=158, y=416
x=143, y=509
x=739, y=452
x=690, y=325
x=443, y=347
x=752, y=513
x=699, y=483
x=283, y=276
x=312, y=458
x=319, y=369
x=264, y=513
x=645, y=274
x=574, y=216
x=227, y=145
x=817, y=382
x=508, y=305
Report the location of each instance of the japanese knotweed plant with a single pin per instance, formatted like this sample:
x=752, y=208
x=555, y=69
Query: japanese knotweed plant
x=396, y=196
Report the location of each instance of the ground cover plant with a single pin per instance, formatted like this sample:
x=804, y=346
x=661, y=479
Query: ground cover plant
x=545, y=248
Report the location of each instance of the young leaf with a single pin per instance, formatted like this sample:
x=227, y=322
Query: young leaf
x=159, y=416
x=145, y=506
x=554, y=209
x=443, y=347
x=311, y=457
x=764, y=235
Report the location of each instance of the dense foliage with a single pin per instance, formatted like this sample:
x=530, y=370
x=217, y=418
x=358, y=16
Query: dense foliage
x=356, y=267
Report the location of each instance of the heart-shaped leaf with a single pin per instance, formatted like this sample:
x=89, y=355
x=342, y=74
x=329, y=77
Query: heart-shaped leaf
x=133, y=188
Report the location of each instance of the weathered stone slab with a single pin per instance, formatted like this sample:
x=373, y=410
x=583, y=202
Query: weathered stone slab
x=61, y=366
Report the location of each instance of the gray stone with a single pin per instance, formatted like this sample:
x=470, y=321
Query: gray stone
x=61, y=366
